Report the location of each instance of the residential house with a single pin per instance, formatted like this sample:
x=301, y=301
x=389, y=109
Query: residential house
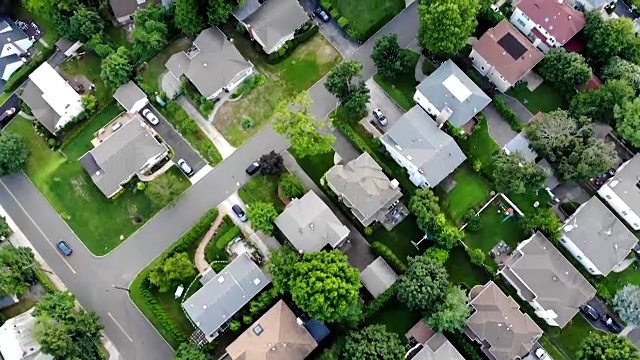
x=364, y=188
x=310, y=225
x=271, y=23
x=131, y=97
x=597, y=238
x=498, y=325
x=504, y=55
x=278, y=334
x=212, y=64
x=521, y=144
x=53, y=102
x=378, y=276
x=547, y=281
x=15, y=45
x=417, y=144
x=124, y=148
x=123, y=10
x=622, y=192
x=224, y=295
x=548, y=24
x=438, y=347
x=17, y=340
x=449, y=95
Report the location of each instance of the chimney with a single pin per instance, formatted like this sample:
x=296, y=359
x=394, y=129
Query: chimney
x=443, y=116
x=394, y=184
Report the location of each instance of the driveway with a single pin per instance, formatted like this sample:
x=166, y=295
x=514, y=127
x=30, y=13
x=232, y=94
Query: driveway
x=181, y=148
x=634, y=336
x=380, y=99
x=499, y=129
x=334, y=33
x=600, y=307
x=625, y=11
x=12, y=102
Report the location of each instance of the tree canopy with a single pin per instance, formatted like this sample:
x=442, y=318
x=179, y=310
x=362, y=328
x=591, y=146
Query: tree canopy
x=452, y=313
x=17, y=264
x=84, y=24
x=543, y=220
x=189, y=352
x=627, y=118
x=514, y=175
x=271, y=163
x=391, y=60
x=291, y=186
x=116, y=69
x=262, y=214
x=345, y=82
x=188, y=17
x=606, y=39
x=281, y=265
x=168, y=274
x=373, y=343
x=445, y=25
x=219, y=11
x=13, y=153
x=424, y=284
x=620, y=69
x=424, y=205
x=599, y=346
x=627, y=304
x=324, y=285
x=149, y=37
x=598, y=104
x=565, y=70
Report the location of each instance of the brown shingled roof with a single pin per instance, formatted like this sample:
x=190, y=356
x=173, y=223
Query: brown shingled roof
x=559, y=19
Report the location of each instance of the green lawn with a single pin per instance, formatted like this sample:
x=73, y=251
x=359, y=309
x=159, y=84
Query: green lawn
x=396, y=317
x=544, y=98
x=399, y=239
x=461, y=270
x=428, y=67
x=366, y=17
x=616, y=281
x=470, y=191
x=568, y=339
x=401, y=90
x=298, y=72
x=262, y=188
x=89, y=66
x=173, y=306
x=479, y=145
x=150, y=76
x=316, y=166
x=215, y=250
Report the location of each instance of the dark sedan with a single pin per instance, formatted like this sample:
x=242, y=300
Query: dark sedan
x=590, y=312
x=611, y=324
x=64, y=248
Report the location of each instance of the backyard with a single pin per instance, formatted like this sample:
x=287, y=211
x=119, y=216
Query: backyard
x=149, y=77
x=298, y=72
x=470, y=190
x=89, y=66
x=396, y=317
x=366, y=17
x=544, y=98
x=401, y=89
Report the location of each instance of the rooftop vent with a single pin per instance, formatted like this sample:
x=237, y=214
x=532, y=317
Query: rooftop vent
x=311, y=226
x=614, y=183
x=554, y=278
x=221, y=279
x=568, y=228
x=394, y=184
x=258, y=330
x=256, y=281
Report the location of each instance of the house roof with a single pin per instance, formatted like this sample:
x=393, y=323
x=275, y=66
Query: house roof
x=121, y=155
x=508, y=51
x=211, y=64
x=417, y=137
x=541, y=273
x=438, y=348
x=521, y=143
x=497, y=322
x=224, y=295
x=17, y=340
x=552, y=181
x=42, y=111
x=13, y=42
x=450, y=87
x=599, y=234
x=556, y=17
x=243, y=11
x=276, y=335
x=363, y=184
x=378, y=276
x=310, y=225
x=625, y=183
x=274, y=20
x=128, y=94
x=122, y=8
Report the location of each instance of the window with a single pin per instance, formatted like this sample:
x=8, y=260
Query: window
x=624, y=213
x=472, y=58
x=562, y=240
x=521, y=22
x=482, y=67
x=590, y=270
x=635, y=225
x=608, y=197
x=579, y=257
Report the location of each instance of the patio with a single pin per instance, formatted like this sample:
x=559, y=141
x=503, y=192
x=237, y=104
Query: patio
x=396, y=214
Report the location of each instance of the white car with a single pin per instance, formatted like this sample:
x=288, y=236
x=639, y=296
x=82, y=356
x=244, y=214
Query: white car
x=377, y=113
x=541, y=354
x=153, y=119
x=185, y=167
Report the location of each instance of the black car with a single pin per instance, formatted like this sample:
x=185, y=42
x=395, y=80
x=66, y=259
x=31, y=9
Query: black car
x=321, y=14
x=64, y=248
x=239, y=212
x=253, y=168
x=611, y=324
x=590, y=312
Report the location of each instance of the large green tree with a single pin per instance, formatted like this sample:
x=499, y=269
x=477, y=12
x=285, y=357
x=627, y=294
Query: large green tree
x=373, y=343
x=13, y=153
x=281, y=266
x=188, y=17
x=262, y=215
x=189, y=352
x=116, y=69
x=627, y=304
x=424, y=205
x=543, y=220
x=169, y=273
x=452, y=313
x=308, y=136
x=515, y=175
x=18, y=265
x=627, y=118
x=599, y=346
x=219, y=11
x=424, y=284
x=598, y=104
x=618, y=68
x=606, y=39
x=149, y=37
x=445, y=25
x=345, y=79
x=564, y=70
x=85, y=23
x=391, y=60
x=325, y=286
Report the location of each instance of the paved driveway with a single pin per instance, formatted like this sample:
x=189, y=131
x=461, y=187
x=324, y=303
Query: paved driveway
x=523, y=114
x=600, y=307
x=181, y=148
x=12, y=102
x=499, y=129
x=380, y=99
x=334, y=33
x=623, y=10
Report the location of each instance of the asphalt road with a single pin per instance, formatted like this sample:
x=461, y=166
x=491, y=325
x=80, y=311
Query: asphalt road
x=91, y=278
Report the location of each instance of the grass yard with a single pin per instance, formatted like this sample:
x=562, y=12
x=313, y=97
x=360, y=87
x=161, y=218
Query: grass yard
x=461, y=270
x=215, y=250
x=89, y=66
x=173, y=307
x=303, y=68
x=396, y=317
x=470, y=191
x=544, y=98
x=316, y=166
x=150, y=76
x=401, y=90
x=366, y=17
x=616, y=281
x=480, y=145
x=262, y=188
x=428, y=67
x=399, y=239
x=568, y=340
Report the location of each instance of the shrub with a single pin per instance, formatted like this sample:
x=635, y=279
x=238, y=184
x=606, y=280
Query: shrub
x=290, y=186
x=247, y=123
x=569, y=207
x=381, y=249
x=52, y=142
x=326, y=5
x=507, y=114
x=234, y=325
x=368, y=230
x=438, y=254
x=334, y=13
x=378, y=303
x=476, y=255
x=248, y=320
x=477, y=165
x=263, y=302
x=473, y=224
x=343, y=22
x=227, y=237
x=251, y=83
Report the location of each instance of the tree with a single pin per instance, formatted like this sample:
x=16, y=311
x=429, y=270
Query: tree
x=262, y=215
x=373, y=343
x=356, y=106
x=149, y=37
x=543, y=220
x=445, y=25
x=100, y=45
x=187, y=17
x=219, y=11
x=84, y=24
x=568, y=143
x=391, y=60
x=627, y=119
x=627, y=304
x=437, y=254
x=619, y=69
x=599, y=346
x=290, y=186
x=13, y=153
x=450, y=315
x=187, y=351
x=423, y=284
x=57, y=305
x=424, y=205
x=565, y=70
x=324, y=285
x=606, y=39
x=54, y=339
x=169, y=273
x=308, y=135
x=598, y=104
x=515, y=175
x=5, y=230
x=89, y=103
x=342, y=81
x=271, y=163
x=116, y=69
x=164, y=189
x=17, y=264
x=281, y=265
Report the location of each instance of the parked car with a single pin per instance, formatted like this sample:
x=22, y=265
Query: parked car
x=377, y=113
x=541, y=354
x=611, y=324
x=590, y=312
x=321, y=14
x=253, y=168
x=153, y=119
x=64, y=248
x=185, y=167
x=239, y=212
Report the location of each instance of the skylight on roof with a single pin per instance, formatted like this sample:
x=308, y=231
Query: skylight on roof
x=457, y=88
x=258, y=330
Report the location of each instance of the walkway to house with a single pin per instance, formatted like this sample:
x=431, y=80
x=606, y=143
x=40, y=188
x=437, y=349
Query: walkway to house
x=201, y=262
x=26, y=116
x=419, y=74
x=624, y=264
x=212, y=133
x=157, y=173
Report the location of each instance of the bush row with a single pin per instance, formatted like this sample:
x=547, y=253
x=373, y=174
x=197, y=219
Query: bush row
x=44, y=280
x=378, y=303
x=227, y=237
x=20, y=75
x=381, y=249
x=158, y=310
x=260, y=304
x=507, y=114
x=291, y=45
x=68, y=139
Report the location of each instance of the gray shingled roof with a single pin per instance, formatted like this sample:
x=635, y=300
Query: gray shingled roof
x=276, y=19
x=122, y=8
x=128, y=94
x=437, y=89
x=425, y=145
x=217, y=63
x=310, y=225
x=219, y=299
x=599, y=234
x=625, y=184
x=44, y=113
x=521, y=143
x=243, y=11
x=541, y=272
x=378, y=277
x=438, y=348
x=121, y=155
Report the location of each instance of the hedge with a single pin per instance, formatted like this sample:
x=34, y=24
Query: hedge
x=291, y=45
x=507, y=114
x=20, y=75
x=44, y=280
x=343, y=22
x=381, y=249
x=378, y=303
x=227, y=237
x=569, y=207
x=264, y=301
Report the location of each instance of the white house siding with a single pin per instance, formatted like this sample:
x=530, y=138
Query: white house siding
x=623, y=210
x=579, y=255
x=425, y=104
x=414, y=175
x=489, y=71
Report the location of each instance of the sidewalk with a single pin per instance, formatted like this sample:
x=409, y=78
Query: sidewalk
x=212, y=133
